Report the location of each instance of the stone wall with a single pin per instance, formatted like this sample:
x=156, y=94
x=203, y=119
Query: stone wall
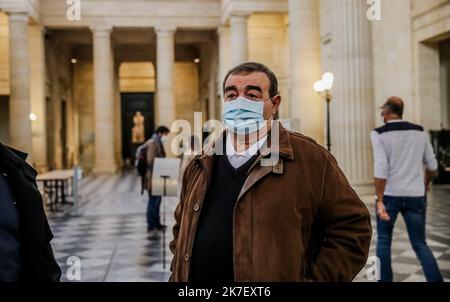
x=186, y=91
x=137, y=77
x=430, y=26
x=58, y=90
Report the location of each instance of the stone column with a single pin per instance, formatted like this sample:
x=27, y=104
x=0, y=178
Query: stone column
x=38, y=105
x=165, y=64
x=239, y=39
x=224, y=53
x=104, y=100
x=212, y=85
x=55, y=147
x=305, y=68
x=20, y=105
x=117, y=115
x=352, y=106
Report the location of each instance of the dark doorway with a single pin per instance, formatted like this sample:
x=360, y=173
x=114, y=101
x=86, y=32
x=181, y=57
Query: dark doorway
x=132, y=103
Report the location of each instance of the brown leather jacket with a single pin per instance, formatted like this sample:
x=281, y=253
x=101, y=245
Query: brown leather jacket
x=298, y=220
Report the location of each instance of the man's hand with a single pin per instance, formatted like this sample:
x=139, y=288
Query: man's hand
x=427, y=187
x=380, y=186
x=429, y=175
x=381, y=211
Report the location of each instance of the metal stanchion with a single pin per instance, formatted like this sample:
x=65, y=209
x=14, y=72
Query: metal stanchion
x=77, y=174
x=164, y=177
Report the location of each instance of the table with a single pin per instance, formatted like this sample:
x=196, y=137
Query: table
x=55, y=183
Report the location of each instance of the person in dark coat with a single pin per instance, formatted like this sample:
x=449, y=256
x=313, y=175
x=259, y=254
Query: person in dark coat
x=25, y=235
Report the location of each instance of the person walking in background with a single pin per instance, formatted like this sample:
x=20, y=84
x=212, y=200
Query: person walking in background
x=401, y=150
x=154, y=148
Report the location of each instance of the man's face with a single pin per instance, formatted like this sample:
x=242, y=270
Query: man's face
x=254, y=86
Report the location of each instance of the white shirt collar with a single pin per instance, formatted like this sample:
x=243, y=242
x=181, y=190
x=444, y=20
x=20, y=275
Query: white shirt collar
x=231, y=151
x=394, y=121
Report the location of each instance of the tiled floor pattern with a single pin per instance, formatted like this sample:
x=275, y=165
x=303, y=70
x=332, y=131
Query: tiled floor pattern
x=110, y=239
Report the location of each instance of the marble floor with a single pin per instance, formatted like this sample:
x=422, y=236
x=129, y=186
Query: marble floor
x=405, y=265
x=109, y=237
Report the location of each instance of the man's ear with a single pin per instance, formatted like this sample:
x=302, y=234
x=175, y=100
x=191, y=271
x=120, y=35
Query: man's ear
x=276, y=101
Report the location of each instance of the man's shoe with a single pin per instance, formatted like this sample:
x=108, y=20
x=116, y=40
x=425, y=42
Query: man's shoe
x=161, y=227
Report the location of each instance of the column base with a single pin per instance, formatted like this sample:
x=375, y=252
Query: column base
x=364, y=189
x=119, y=163
x=106, y=167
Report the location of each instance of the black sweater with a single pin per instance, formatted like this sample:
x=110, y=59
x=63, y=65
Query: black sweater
x=212, y=255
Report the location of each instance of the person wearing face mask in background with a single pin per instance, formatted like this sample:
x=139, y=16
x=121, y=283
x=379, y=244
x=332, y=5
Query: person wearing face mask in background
x=240, y=219
x=155, y=148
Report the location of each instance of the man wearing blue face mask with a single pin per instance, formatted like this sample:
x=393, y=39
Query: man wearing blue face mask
x=239, y=219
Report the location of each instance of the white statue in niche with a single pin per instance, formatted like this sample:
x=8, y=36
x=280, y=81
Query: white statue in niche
x=138, y=130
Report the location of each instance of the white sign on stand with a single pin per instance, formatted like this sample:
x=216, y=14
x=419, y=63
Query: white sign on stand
x=165, y=183
x=165, y=176
x=77, y=176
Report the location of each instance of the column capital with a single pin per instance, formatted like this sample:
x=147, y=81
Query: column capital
x=39, y=30
x=223, y=30
x=241, y=17
x=165, y=30
x=239, y=38
x=17, y=16
x=101, y=29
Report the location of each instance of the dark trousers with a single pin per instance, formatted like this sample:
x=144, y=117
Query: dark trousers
x=413, y=210
x=153, y=217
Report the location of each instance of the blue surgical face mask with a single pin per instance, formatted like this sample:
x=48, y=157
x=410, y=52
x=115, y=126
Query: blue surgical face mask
x=243, y=116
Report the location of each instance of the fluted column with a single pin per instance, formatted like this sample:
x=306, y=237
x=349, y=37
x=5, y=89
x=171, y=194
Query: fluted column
x=239, y=39
x=224, y=60
x=20, y=105
x=352, y=105
x=165, y=61
x=55, y=147
x=117, y=114
x=104, y=100
x=305, y=67
x=212, y=86
x=38, y=106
